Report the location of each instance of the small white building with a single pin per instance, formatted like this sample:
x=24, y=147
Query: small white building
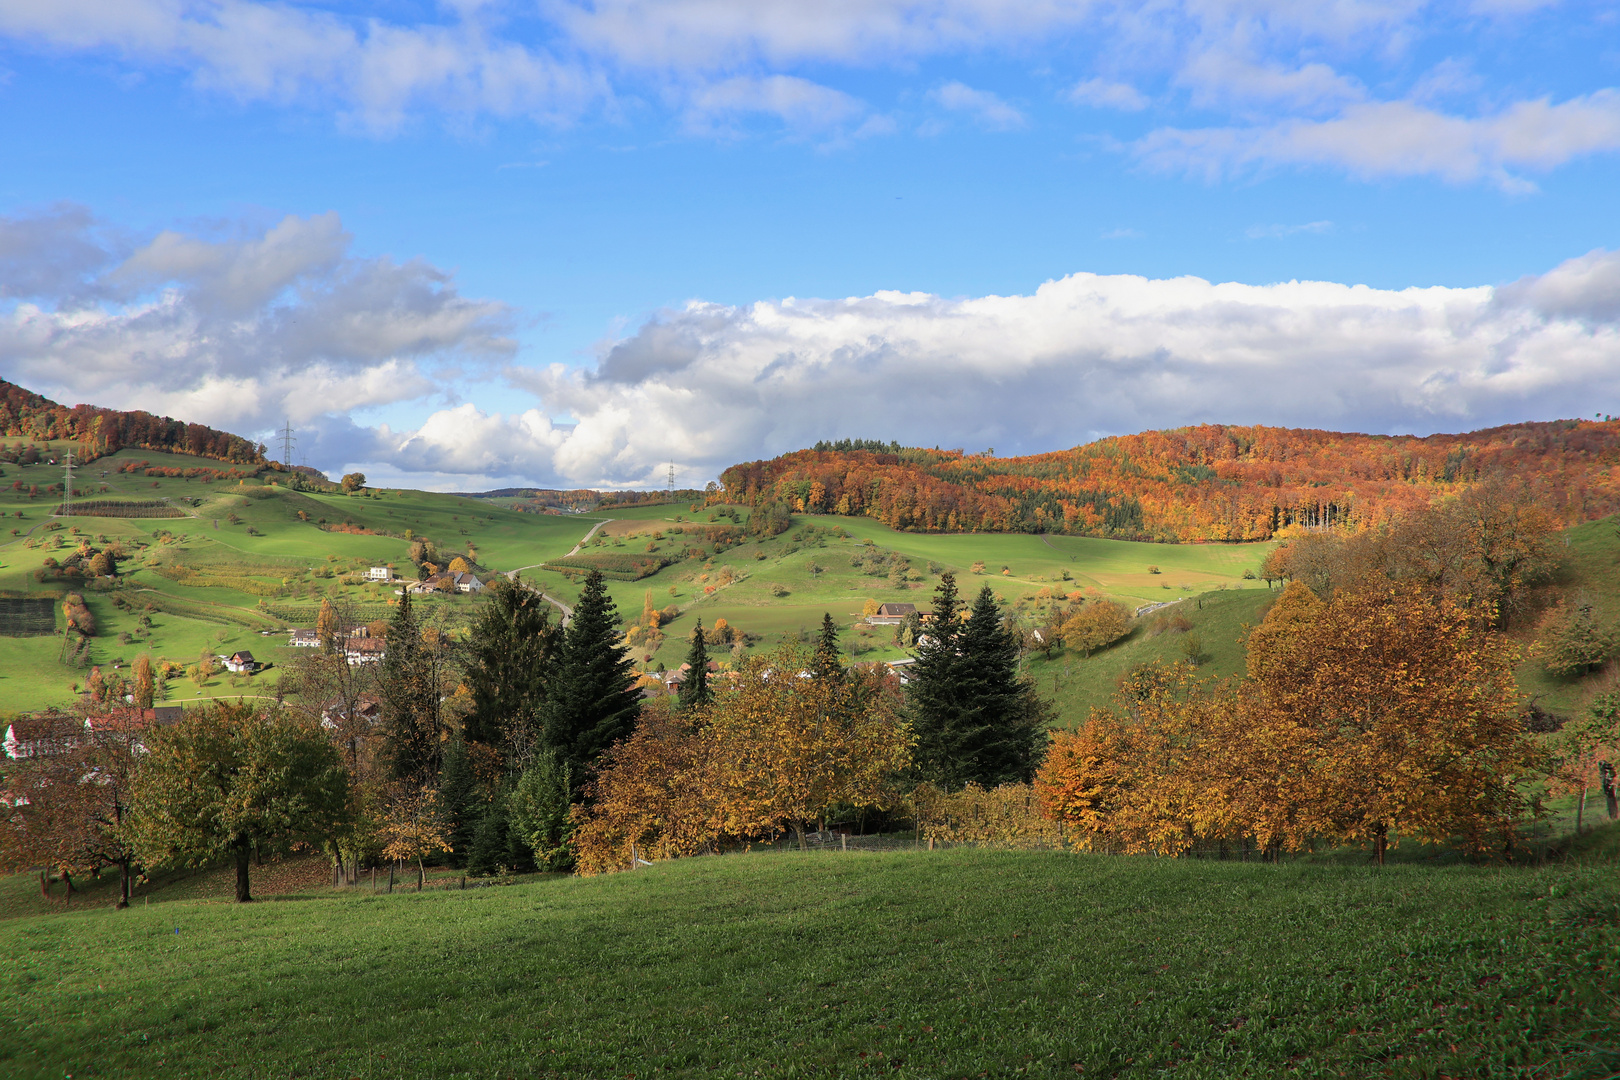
x=305, y=639
x=364, y=650
x=379, y=573
x=891, y=614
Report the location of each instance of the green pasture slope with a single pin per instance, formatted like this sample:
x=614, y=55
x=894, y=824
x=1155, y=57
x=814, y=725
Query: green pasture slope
x=260, y=574
x=909, y=964
x=1591, y=570
x=269, y=569
x=760, y=569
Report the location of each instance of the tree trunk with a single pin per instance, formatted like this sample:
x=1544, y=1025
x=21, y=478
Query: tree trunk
x=421, y=875
x=45, y=884
x=1382, y=843
x=123, y=884
x=1580, y=810
x=68, y=878
x=798, y=831
x=243, y=861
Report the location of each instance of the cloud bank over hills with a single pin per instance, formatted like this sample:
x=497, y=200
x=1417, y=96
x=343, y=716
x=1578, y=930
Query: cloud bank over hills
x=247, y=326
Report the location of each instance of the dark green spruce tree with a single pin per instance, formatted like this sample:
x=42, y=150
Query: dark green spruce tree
x=463, y=805
x=1008, y=718
x=825, y=664
x=509, y=663
x=695, y=692
x=976, y=721
x=590, y=703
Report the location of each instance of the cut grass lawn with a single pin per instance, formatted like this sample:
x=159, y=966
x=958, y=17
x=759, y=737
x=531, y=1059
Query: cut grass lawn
x=910, y=964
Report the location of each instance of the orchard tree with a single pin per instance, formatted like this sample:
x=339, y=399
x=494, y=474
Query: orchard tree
x=69, y=808
x=236, y=781
x=415, y=826
x=1397, y=714
x=788, y=750
x=354, y=481
x=1096, y=625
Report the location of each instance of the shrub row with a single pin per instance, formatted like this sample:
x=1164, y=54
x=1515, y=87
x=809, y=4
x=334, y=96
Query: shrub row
x=119, y=508
x=618, y=567
x=27, y=616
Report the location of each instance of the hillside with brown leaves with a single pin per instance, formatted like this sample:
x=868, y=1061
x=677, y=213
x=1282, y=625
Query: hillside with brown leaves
x=27, y=415
x=1213, y=482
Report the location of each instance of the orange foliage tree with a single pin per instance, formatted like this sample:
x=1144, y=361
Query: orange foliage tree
x=1385, y=712
x=774, y=750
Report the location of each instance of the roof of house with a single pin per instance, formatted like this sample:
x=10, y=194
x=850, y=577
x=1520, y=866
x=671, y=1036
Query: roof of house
x=160, y=715
x=242, y=656
x=306, y=635
x=48, y=734
x=893, y=610
x=365, y=644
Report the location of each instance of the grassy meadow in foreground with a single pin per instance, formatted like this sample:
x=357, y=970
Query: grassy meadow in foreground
x=919, y=964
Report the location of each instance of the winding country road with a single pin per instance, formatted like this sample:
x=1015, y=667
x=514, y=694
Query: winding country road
x=567, y=612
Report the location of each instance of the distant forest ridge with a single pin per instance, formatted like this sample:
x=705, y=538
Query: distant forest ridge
x=27, y=415
x=551, y=500
x=1213, y=482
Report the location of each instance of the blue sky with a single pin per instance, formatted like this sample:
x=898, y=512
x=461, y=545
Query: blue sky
x=439, y=236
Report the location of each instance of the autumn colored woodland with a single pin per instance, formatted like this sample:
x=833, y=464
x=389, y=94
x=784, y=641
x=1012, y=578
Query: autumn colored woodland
x=1213, y=482
x=25, y=414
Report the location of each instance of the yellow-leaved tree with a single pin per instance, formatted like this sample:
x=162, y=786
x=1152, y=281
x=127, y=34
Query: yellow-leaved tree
x=790, y=748
x=1388, y=711
x=1397, y=715
x=773, y=750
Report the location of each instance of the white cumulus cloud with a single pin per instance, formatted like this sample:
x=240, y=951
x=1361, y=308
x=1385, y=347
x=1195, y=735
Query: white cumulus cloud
x=985, y=107
x=286, y=321
x=1398, y=138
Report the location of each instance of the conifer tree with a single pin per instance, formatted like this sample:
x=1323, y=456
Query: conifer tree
x=590, y=702
x=976, y=721
x=826, y=665
x=410, y=686
x=1008, y=719
x=695, y=690
x=509, y=664
x=934, y=692
x=458, y=792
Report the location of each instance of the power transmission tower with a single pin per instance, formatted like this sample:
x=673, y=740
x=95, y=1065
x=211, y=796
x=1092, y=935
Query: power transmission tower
x=672, y=481
x=287, y=444
x=67, y=485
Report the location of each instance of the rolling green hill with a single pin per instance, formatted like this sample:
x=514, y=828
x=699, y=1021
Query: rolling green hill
x=244, y=561
x=901, y=963
x=247, y=559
